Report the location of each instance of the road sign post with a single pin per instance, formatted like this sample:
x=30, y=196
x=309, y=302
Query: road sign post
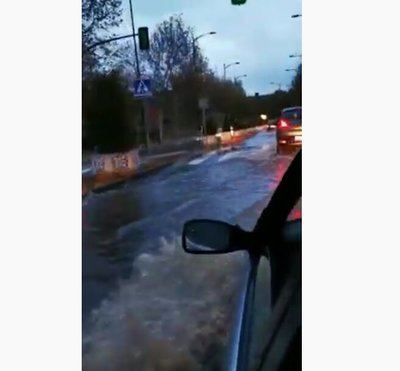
x=142, y=87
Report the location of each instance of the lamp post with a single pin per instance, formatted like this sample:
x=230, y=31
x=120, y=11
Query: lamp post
x=194, y=45
x=226, y=66
x=276, y=83
x=290, y=69
x=296, y=15
x=295, y=56
x=236, y=78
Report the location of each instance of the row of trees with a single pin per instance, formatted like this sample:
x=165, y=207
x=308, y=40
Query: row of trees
x=272, y=104
x=113, y=119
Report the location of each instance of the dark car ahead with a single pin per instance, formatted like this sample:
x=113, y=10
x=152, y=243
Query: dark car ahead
x=289, y=130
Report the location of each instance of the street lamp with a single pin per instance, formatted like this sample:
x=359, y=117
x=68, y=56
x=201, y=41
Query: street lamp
x=276, y=83
x=296, y=15
x=236, y=78
x=226, y=66
x=290, y=69
x=295, y=56
x=194, y=44
x=204, y=34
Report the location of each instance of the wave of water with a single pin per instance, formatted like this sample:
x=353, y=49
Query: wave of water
x=176, y=310
x=175, y=314
x=199, y=160
x=251, y=151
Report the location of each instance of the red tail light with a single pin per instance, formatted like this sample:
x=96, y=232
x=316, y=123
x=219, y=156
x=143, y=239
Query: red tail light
x=282, y=124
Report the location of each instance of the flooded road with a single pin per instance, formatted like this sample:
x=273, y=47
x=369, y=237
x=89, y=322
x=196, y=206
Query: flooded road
x=144, y=299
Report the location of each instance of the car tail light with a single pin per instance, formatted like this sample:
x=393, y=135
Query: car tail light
x=282, y=124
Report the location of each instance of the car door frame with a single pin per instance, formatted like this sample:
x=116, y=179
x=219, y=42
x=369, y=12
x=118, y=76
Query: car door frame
x=271, y=217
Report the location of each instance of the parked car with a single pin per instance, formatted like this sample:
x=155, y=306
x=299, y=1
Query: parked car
x=289, y=129
x=278, y=239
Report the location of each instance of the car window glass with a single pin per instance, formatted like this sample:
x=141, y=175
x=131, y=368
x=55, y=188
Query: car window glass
x=296, y=212
x=292, y=114
x=176, y=127
x=261, y=314
x=262, y=302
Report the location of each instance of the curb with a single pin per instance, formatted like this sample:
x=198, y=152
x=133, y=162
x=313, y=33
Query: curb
x=147, y=170
x=141, y=173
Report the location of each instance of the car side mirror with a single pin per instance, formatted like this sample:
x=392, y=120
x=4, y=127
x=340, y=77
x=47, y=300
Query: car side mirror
x=204, y=236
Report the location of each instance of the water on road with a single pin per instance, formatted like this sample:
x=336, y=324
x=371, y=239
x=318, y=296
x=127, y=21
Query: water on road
x=147, y=304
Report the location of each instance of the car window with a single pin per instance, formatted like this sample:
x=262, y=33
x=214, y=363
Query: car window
x=296, y=212
x=176, y=127
x=294, y=114
x=261, y=314
x=262, y=303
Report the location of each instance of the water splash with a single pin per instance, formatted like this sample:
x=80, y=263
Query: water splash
x=175, y=314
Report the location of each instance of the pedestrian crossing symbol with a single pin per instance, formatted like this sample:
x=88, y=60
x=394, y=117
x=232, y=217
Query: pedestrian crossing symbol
x=142, y=87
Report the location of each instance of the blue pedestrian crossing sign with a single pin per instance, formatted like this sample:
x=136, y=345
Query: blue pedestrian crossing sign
x=142, y=87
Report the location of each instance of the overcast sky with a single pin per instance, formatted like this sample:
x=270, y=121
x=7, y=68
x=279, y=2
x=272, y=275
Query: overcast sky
x=260, y=34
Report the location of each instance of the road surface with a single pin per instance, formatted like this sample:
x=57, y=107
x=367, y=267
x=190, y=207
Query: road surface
x=140, y=291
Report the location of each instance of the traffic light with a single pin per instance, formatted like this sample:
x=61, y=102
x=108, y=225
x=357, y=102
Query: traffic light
x=144, y=43
x=238, y=2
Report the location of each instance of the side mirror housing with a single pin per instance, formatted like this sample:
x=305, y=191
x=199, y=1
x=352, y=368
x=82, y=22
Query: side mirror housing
x=204, y=236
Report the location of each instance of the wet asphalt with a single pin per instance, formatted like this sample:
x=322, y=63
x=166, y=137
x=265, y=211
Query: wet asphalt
x=118, y=225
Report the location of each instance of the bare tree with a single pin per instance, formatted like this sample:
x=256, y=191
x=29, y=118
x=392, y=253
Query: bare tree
x=171, y=52
x=99, y=17
x=124, y=60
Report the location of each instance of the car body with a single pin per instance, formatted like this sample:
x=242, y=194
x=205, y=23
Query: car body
x=276, y=238
x=271, y=125
x=289, y=129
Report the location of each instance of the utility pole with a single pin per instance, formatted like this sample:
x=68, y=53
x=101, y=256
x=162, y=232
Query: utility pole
x=144, y=105
x=134, y=40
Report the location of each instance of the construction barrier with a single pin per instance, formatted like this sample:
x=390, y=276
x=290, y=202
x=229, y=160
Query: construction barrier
x=116, y=162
